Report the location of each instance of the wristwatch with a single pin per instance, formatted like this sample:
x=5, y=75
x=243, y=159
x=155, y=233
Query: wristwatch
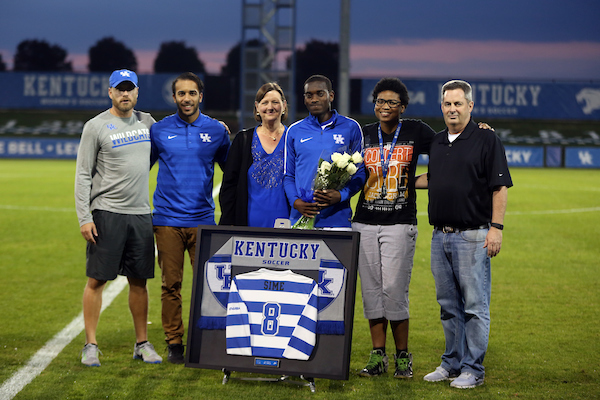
x=497, y=226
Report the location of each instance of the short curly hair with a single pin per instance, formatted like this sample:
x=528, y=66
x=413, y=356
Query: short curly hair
x=320, y=78
x=393, y=84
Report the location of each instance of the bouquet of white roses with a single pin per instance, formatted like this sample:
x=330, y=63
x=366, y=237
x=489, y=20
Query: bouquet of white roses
x=330, y=175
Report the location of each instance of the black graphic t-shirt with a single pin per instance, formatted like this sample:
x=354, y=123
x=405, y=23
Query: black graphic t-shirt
x=393, y=200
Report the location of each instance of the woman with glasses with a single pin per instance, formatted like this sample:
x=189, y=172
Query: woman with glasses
x=252, y=191
x=386, y=217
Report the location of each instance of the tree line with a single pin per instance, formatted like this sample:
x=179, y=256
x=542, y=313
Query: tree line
x=109, y=54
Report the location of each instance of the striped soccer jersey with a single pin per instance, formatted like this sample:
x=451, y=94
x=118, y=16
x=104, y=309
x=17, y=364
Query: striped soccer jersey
x=272, y=314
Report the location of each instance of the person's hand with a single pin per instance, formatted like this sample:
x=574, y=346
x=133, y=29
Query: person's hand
x=493, y=242
x=484, y=125
x=421, y=181
x=226, y=127
x=326, y=197
x=307, y=209
x=89, y=232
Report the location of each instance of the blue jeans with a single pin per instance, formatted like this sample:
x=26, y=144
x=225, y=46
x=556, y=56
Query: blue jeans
x=462, y=273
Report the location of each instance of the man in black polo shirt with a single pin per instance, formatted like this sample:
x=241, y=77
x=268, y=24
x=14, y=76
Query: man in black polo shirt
x=468, y=179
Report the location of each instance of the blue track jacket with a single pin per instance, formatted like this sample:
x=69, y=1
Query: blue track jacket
x=306, y=142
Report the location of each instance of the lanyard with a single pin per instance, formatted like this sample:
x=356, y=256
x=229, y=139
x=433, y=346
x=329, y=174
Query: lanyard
x=385, y=162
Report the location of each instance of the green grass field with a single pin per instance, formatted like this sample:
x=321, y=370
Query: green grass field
x=545, y=336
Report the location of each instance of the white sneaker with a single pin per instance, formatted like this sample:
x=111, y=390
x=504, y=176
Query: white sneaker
x=467, y=380
x=440, y=374
x=146, y=353
x=89, y=355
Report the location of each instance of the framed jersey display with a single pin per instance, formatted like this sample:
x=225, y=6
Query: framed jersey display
x=273, y=301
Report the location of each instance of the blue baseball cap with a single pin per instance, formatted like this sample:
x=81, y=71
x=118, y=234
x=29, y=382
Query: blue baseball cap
x=123, y=75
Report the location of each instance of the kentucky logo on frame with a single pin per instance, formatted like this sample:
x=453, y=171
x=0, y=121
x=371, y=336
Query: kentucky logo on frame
x=218, y=277
x=331, y=282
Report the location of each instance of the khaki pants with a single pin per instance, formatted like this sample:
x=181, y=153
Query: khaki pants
x=172, y=243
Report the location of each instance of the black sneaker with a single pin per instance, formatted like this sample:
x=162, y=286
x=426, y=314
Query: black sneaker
x=403, y=365
x=175, y=353
x=377, y=365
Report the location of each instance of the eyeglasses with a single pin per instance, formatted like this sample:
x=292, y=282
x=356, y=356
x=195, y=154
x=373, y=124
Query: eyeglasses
x=391, y=103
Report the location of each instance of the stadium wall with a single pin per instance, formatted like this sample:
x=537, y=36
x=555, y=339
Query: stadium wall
x=517, y=156
x=493, y=99
x=497, y=100
x=504, y=99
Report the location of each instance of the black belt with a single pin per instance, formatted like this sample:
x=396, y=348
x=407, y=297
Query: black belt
x=452, y=229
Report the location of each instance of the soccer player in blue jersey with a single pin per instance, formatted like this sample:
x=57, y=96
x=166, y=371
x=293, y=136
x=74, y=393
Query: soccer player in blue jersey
x=186, y=145
x=320, y=134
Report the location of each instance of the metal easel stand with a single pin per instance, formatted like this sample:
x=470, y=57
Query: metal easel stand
x=306, y=381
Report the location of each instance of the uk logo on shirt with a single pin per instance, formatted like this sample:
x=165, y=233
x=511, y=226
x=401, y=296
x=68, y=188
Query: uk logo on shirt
x=205, y=137
x=339, y=139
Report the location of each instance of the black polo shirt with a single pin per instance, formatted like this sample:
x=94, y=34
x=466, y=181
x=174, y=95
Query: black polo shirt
x=462, y=176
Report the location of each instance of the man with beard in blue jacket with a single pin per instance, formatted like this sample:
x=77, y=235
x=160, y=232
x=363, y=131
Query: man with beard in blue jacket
x=320, y=134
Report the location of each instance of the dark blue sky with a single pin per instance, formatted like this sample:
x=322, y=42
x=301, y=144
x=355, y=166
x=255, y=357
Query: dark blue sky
x=547, y=39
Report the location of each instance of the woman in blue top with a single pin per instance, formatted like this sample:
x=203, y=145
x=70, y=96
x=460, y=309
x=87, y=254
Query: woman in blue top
x=252, y=191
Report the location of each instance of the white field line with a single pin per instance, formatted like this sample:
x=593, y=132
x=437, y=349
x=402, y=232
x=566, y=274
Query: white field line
x=546, y=187
x=54, y=346
x=546, y=212
x=542, y=212
x=215, y=193
x=40, y=360
x=216, y=190
x=28, y=208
